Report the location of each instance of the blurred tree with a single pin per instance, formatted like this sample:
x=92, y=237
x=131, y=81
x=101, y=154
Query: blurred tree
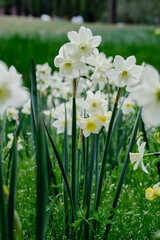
x=58, y=7
x=36, y=8
x=68, y=8
x=78, y=7
x=113, y=11
x=18, y=6
x=45, y=6
x=8, y=6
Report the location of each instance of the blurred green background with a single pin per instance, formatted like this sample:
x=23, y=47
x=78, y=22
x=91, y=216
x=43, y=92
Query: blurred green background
x=23, y=38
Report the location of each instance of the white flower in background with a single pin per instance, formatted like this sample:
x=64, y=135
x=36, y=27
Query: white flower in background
x=60, y=124
x=12, y=94
x=49, y=113
x=147, y=95
x=100, y=62
x=126, y=72
x=94, y=103
x=90, y=125
x=67, y=65
x=105, y=119
x=137, y=158
x=127, y=106
x=12, y=114
x=44, y=76
x=43, y=71
x=83, y=43
x=11, y=137
x=100, y=79
x=27, y=107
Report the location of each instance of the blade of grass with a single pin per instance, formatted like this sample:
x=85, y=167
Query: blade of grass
x=34, y=104
x=65, y=164
x=106, y=148
x=42, y=182
x=63, y=172
x=74, y=135
x=3, y=206
x=144, y=134
x=89, y=184
x=12, y=190
x=123, y=173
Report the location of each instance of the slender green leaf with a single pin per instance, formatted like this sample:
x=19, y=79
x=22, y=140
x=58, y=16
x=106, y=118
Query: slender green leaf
x=34, y=104
x=63, y=172
x=42, y=182
x=3, y=206
x=106, y=148
x=12, y=190
x=89, y=184
x=65, y=164
x=73, y=179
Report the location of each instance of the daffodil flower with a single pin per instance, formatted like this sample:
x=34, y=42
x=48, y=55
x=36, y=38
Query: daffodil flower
x=137, y=158
x=152, y=193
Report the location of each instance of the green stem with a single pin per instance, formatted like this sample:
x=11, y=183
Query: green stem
x=107, y=144
x=73, y=180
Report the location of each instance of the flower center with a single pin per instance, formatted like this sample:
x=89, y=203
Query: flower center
x=4, y=93
x=68, y=65
x=94, y=104
x=158, y=95
x=102, y=118
x=43, y=72
x=83, y=46
x=90, y=126
x=128, y=105
x=124, y=73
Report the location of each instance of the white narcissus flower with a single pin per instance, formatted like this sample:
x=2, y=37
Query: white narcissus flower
x=83, y=43
x=11, y=137
x=100, y=79
x=152, y=193
x=147, y=95
x=60, y=124
x=126, y=72
x=127, y=106
x=94, y=103
x=137, y=158
x=49, y=113
x=105, y=119
x=89, y=125
x=67, y=65
x=12, y=114
x=12, y=94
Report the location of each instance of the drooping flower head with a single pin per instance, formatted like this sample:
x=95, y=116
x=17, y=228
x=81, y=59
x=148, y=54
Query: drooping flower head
x=137, y=158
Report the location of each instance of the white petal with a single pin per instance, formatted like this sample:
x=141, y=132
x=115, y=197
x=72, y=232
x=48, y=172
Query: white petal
x=130, y=62
x=151, y=114
x=73, y=37
x=58, y=61
x=119, y=62
x=95, y=41
x=143, y=167
x=150, y=77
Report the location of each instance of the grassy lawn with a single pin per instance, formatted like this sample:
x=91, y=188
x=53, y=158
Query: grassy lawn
x=136, y=218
